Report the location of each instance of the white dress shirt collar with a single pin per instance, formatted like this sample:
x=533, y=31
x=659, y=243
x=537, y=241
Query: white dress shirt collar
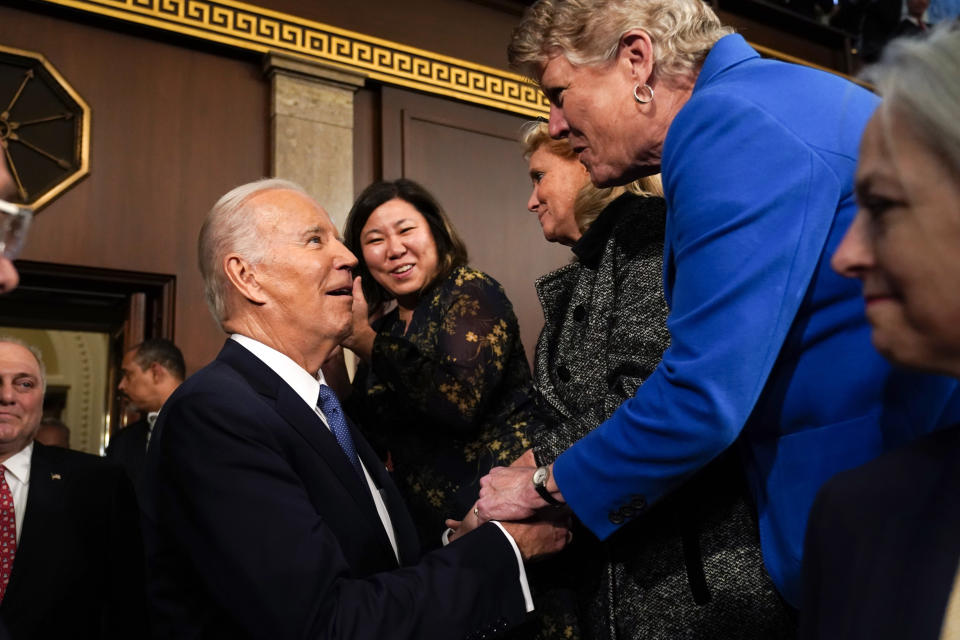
x=19, y=463
x=305, y=385
x=17, y=476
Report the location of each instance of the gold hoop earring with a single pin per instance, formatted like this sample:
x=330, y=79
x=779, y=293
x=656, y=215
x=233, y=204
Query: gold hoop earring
x=636, y=96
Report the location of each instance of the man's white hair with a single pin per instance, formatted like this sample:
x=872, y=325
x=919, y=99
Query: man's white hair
x=231, y=227
x=36, y=354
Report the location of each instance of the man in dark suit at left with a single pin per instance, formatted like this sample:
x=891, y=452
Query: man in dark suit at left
x=71, y=558
x=150, y=372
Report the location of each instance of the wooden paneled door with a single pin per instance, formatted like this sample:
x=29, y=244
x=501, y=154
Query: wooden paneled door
x=471, y=160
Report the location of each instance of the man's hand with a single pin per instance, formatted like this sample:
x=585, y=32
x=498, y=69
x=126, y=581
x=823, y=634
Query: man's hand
x=541, y=537
x=507, y=493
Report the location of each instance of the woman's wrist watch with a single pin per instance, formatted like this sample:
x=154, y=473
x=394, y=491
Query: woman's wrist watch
x=540, y=477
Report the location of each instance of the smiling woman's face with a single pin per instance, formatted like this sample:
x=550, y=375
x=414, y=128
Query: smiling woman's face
x=556, y=182
x=399, y=250
x=904, y=246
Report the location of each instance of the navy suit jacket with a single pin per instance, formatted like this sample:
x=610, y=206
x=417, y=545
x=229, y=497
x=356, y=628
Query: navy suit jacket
x=257, y=526
x=883, y=545
x=128, y=447
x=78, y=570
x=766, y=340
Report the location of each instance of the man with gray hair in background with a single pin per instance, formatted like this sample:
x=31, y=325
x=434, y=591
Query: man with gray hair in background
x=266, y=514
x=70, y=549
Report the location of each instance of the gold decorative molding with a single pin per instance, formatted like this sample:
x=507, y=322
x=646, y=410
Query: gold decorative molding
x=258, y=29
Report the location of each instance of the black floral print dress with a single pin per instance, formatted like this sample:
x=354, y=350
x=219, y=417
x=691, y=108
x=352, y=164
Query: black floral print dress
x=449, y=398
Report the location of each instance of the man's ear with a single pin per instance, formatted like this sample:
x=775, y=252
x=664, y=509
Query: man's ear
x=157, y=371
x=636, y=50
x=243, y=277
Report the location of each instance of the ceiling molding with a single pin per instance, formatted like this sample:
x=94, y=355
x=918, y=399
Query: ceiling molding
x=257, y=29
x=253, y=28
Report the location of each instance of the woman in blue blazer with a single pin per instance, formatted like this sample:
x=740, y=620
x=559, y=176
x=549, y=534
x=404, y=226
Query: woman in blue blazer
x=768, y=345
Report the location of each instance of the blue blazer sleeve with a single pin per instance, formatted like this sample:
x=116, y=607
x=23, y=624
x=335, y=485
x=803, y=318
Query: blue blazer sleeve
x=750, y=205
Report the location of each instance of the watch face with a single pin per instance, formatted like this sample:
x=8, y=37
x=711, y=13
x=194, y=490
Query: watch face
x=540, y=476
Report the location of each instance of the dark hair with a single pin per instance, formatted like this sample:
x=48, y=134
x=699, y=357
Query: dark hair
x=164, y=353
x=451, y=252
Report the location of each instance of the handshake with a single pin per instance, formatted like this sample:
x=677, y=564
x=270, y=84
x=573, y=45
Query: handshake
x=538, y=523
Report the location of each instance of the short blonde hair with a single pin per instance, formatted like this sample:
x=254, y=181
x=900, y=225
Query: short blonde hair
x=591, y=200
x=588, y=32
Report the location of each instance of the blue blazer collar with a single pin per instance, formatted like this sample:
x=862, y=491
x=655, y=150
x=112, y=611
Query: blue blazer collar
x=729, y=51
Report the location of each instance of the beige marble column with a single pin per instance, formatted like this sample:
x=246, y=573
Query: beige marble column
x=311, y=126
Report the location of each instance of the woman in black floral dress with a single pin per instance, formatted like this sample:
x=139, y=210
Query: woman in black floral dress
x=444, y=388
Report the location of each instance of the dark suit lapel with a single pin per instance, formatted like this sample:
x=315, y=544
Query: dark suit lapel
x=304, y=421
x=45, y=500
x=408, y=541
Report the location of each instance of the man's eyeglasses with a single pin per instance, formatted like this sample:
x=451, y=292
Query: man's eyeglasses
x=14, y=224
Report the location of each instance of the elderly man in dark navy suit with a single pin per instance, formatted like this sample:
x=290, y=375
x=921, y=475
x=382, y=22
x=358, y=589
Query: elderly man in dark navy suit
x=266, y=514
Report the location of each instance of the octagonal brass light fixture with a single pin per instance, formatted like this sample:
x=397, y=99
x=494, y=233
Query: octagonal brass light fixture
x=44, y=128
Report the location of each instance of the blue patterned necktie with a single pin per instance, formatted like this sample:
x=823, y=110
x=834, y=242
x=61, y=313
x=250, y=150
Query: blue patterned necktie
x=330, y=407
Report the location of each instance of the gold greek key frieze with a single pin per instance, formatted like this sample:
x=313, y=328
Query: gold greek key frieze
x=258, y=29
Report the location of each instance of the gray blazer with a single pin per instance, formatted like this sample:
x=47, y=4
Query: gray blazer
x=691, y=567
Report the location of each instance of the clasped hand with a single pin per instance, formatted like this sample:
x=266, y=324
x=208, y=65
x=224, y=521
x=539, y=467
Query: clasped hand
x=504, y=497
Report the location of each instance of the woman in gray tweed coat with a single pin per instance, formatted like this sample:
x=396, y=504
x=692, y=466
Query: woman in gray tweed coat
x=692, y=567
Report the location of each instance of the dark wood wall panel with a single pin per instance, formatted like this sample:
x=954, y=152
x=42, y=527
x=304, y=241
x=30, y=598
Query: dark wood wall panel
x=173, y=129
x=470, y=159
x=367, y=156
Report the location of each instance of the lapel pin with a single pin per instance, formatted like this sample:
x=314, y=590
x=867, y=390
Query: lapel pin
x=55, y=476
